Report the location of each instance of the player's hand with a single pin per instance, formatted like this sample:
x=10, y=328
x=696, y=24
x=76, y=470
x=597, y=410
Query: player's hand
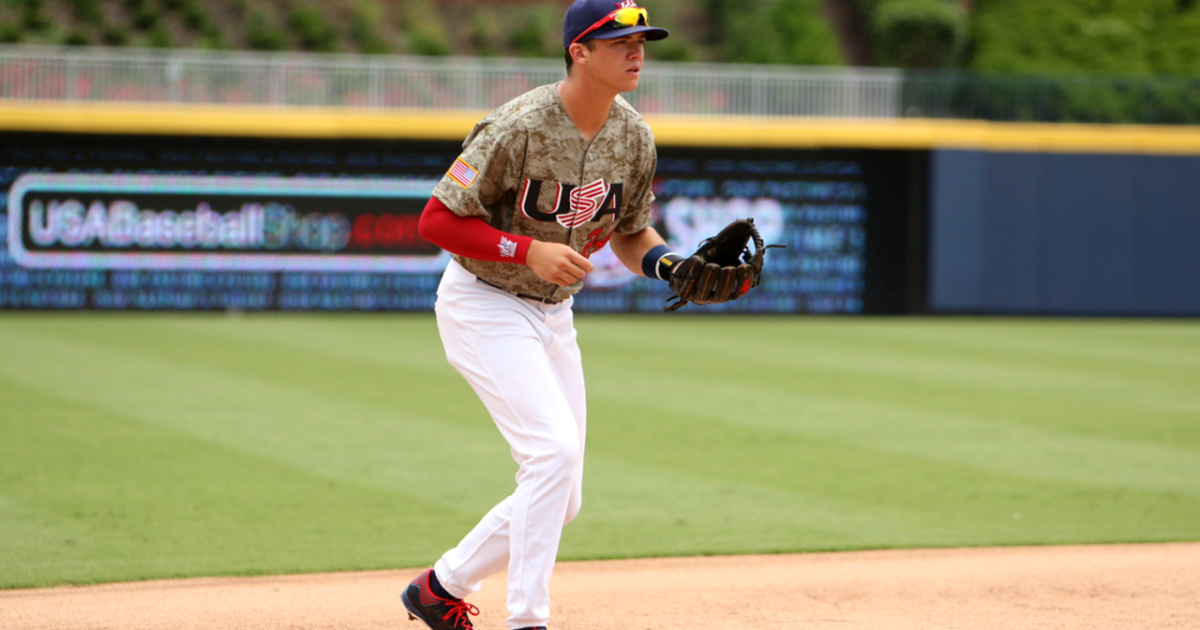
x=557, y=263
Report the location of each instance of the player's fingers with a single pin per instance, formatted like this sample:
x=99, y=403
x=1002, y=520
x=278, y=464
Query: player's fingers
x=571, y=272
x=571, y=275
x=582, y=263
x=572, y=267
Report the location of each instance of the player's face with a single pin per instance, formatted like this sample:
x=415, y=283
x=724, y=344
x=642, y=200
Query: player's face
x=617, y=63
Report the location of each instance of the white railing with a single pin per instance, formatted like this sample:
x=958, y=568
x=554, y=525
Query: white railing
x=107, y=75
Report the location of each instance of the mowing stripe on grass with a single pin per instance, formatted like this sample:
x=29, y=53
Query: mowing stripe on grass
x=157, y=445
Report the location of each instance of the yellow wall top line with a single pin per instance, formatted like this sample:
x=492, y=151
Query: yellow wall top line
x=750, y=132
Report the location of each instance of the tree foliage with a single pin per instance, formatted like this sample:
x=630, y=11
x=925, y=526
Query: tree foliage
x=791, y=32
x=1146, y=37
x=918, y=33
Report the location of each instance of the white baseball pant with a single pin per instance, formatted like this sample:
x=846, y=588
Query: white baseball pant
x=522, y=359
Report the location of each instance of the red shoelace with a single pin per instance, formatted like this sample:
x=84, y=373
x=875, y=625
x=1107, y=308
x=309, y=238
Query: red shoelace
x=459, y=611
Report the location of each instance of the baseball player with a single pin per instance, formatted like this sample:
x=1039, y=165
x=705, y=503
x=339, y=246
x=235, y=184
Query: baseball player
x=542, y=183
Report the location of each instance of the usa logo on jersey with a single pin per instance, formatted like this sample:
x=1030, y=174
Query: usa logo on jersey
x=574, y=205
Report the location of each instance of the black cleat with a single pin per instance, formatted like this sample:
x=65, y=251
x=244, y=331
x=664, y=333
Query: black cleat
x=437, y=613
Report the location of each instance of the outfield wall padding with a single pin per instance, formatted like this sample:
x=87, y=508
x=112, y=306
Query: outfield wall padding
x=1021, y=218
x=1064, y=233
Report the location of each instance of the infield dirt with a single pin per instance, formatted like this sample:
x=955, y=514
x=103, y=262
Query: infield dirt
x=1106, y=587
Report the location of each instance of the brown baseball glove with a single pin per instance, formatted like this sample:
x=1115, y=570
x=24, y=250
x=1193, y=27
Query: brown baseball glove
x=722, y=269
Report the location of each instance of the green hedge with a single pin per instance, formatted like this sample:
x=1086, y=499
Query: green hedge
x=1138, y=38
x=1129, y=42
x=1059, y=98
x=262, y=32
x=1143, y=37
x=312, y=29
x=917, y=33
x=791, y=32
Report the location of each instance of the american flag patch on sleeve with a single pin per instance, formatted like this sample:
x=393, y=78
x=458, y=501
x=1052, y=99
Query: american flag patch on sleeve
x=462, y=173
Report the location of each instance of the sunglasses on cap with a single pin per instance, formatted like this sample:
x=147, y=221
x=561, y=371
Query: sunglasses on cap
x=629, y=16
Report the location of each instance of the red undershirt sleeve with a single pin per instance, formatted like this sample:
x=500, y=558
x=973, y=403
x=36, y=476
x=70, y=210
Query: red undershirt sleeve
x=471, y=237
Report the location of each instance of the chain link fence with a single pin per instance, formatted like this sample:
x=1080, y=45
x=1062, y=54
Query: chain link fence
x=342, y=81
x=119, y=75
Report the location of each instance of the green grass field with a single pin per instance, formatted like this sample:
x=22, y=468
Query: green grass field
x=137, y=446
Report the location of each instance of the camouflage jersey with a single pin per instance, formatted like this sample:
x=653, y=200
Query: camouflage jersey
x=527, y=170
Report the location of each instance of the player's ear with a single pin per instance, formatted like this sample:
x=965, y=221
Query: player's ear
x=578, y=52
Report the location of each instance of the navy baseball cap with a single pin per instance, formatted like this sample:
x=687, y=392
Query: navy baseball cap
x=606, y=19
